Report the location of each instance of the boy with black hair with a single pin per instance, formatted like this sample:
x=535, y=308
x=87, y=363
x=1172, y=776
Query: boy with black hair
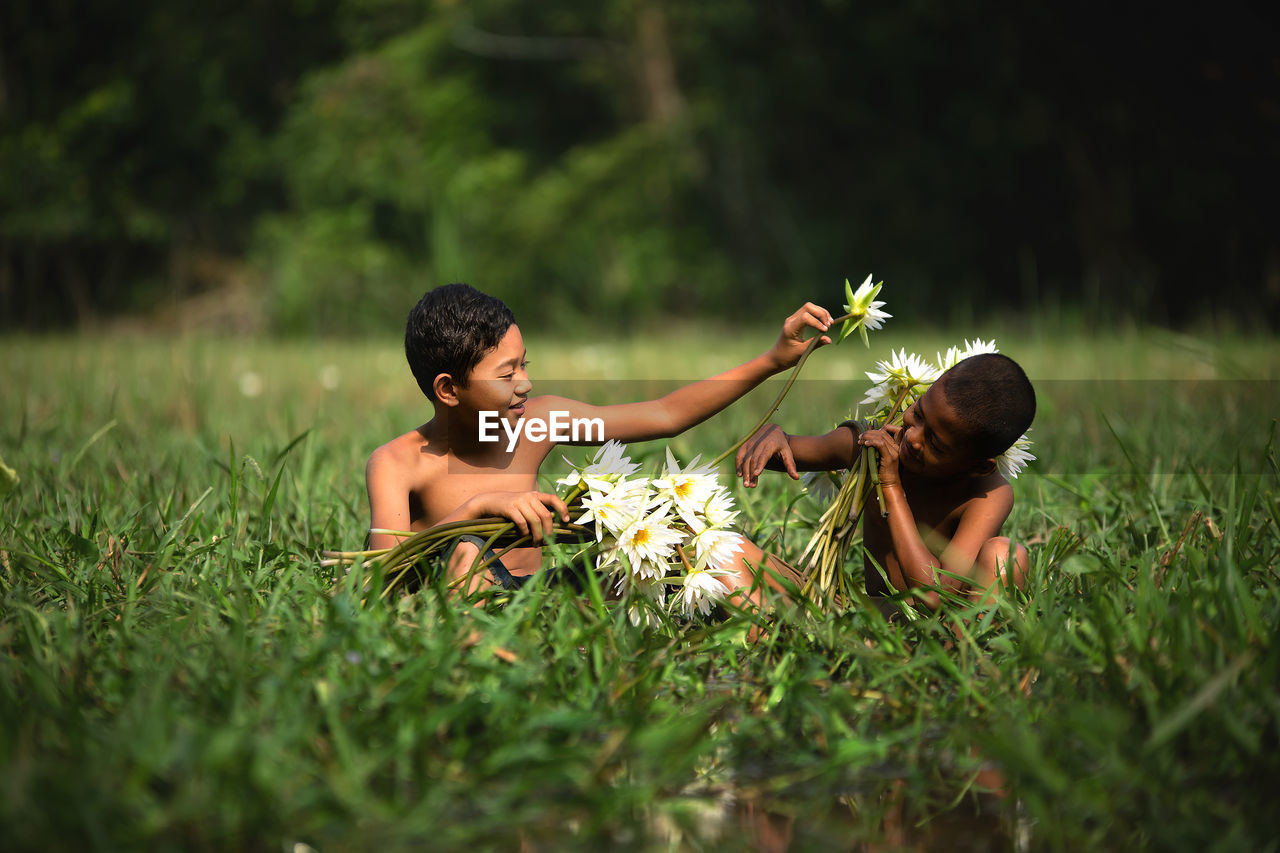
x=944, y=499
x=466, y=352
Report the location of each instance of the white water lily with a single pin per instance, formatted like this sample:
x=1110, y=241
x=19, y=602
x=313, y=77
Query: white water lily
x=977, y=346
x=606, y=552
x=648, y=542
x=865, y=310
x=688, y=489
x=901, y=372
x=634, y=588
x=702, y=588
x=607, y=467
x=615, y=506
x=822, y=486
x=718, y=510
x=716, y=547
x=880, y=397
x=955, y=355
x=904, y=368
x=1012, y=461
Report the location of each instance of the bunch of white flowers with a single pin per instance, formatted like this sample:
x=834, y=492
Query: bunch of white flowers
x=660, y=532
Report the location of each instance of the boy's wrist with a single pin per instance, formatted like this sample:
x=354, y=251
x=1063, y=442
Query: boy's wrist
x=773, y=361
x=893, y=495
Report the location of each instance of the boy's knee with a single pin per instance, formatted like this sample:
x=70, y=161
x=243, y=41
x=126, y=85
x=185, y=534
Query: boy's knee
x=1002, y=559
x=754, y=577
x=462, y=557
x=458, y=569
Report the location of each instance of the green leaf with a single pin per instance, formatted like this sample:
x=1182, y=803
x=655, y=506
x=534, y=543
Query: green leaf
x=9, y=478
x=75, y=460
x=847, y=329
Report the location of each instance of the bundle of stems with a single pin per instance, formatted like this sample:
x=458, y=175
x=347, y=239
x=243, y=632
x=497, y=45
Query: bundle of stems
x=823, y=559
x=400, y=564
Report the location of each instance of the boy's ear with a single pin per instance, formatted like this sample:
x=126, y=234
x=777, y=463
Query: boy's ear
x=983, y=467
x=446, y=389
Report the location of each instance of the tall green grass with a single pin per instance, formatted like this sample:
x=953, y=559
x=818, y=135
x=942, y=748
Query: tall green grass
x=177, y=671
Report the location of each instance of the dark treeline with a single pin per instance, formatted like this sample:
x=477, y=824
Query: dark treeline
x=622, y=159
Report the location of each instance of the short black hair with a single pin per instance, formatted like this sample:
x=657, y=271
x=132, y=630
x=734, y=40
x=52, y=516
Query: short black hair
x=450, y=330
x=994, y=400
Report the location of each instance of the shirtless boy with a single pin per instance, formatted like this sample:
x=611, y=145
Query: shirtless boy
x=466, y=352
x=944, y=499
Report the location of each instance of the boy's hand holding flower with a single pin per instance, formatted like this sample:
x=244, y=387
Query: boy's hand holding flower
x=887, y=441
x=791, y=344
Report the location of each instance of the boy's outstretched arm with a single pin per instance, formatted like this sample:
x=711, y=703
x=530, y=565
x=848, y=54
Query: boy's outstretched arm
x=982, y=519
x=685, y=407
x=771, y=448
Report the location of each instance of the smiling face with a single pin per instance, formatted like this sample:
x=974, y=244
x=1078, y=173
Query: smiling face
x=500, y=380
x=935, y=442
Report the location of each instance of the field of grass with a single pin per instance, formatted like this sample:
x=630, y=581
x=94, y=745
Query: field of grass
x=177, y=671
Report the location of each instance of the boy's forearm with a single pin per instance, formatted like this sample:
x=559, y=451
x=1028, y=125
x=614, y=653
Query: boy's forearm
x=833, y=451
x=468, y=510
x=691, y=405
x=685, y=407
x=918, y=564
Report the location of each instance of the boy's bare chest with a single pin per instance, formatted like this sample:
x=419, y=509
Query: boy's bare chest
x=936, y=516
x=443, y=484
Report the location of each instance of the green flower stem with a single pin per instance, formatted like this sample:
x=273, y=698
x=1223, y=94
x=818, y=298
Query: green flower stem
x=401, y=559
x=875, y=472
x=427, y=546
x=824, y=557
x=795, y=371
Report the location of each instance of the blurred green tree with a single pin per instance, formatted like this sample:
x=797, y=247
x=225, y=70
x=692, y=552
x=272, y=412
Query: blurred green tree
x=133, y=137
x=628, y=158
x=414, y=164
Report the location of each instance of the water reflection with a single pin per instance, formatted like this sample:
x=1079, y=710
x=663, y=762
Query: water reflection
x=982, y=820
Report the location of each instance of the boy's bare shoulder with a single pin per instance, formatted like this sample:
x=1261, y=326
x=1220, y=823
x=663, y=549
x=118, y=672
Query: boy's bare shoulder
x=991, y=494
x=941, y=503
x=406, y=457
